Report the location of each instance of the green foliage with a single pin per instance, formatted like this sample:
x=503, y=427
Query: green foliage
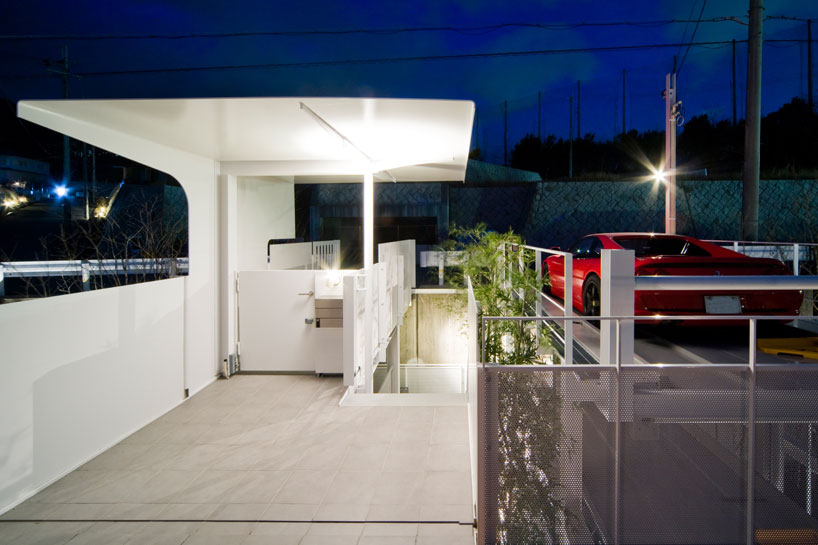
x=530, y=430
x=505, y=284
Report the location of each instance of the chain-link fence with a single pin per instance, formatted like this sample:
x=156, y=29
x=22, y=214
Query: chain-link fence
x=647, y=454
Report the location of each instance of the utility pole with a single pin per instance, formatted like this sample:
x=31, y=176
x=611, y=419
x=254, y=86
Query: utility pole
x=734, y=82
x=623, y=102
x=752, y=125
x=539, y=115
x=809, y=66
x=505, y=132
x=579, y=130
x=671, y=113
x=570, y=137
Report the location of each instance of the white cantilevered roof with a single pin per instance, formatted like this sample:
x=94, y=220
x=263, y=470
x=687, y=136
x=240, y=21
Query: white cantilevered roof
x=406, y=140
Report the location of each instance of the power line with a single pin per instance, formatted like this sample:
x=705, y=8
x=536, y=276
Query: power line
x=692, y=37
x=382, y=60
x=477, y=30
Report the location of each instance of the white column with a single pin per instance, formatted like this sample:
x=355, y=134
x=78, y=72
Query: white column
x=369, y=219
x=617, y=300
x=228, y=264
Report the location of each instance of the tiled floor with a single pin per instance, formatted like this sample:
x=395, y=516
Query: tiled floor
x=266, y=459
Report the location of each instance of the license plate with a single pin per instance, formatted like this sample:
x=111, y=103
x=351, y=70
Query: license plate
x=722, y=304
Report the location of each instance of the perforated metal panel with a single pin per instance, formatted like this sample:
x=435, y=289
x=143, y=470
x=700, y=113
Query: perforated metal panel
x=647, y=455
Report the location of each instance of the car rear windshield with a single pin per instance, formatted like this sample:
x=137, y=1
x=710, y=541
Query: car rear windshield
x=653, y=246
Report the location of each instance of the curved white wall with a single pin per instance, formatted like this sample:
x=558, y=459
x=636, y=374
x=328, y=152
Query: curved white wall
x=198, y=176
x=80, y=372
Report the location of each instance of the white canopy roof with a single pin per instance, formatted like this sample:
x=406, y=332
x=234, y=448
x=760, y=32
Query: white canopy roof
x=311, y=139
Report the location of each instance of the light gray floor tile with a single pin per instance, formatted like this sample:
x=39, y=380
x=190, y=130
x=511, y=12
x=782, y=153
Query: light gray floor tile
x=134, y=511
x=29, y=511
x=352, y=487
x=211, y=487
x=336, y=529
x=239, y=511
x=444, y=432
x=341, y=512
x=415, y=433
x=448, y=457
x=406, y=457
x=305, y=487
x=444, y=540
x=443, y=488
x=187, y=511
x=102, y=533
x=393, y=513
x=328, y=540
x=369, y=457
x=463, y=513
x=120, y=456
x=257, y=487
x=397, y=487
x=322, y=456
x=163, y=486
x=80, y=511
x=298, y=529
x=115, y=487
x=157, y=457
x=417, y=414
x=408, y=529
x=444, y=530
x=290, y=511
x=197, y=457
x=44, y=533
x=386, y=540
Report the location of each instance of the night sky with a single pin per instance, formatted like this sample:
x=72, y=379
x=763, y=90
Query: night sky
x=704, y=81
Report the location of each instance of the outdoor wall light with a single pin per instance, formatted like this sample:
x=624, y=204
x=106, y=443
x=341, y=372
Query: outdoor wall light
x=61, y=191
x=333, y=279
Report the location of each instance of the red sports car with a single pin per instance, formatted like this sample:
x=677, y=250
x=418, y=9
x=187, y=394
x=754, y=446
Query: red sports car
x=672, y=255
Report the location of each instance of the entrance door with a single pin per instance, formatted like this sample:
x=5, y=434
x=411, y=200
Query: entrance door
x=273, y=307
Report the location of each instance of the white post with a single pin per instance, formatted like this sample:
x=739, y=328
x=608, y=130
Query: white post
x=568, y=305
x=369, y=219
x=228, y=266
x=670, y=153
x=617, y=300
x=796, y=258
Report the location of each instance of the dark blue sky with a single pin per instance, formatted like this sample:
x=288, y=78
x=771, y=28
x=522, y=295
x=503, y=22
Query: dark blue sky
x=704, y=83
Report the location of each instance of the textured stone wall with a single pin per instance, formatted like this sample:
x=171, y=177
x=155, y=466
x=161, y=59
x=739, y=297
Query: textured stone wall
x=558, y=213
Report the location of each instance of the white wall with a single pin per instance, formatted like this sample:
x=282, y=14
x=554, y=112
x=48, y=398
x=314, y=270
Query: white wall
x=198, y=176
x=81, y=372
x=266, y=209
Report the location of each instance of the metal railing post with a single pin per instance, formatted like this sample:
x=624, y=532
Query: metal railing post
x=86, y=276
x=796, y=259
x=568, y=293
x=617, y=444
x=751, y=418
x=2, y=282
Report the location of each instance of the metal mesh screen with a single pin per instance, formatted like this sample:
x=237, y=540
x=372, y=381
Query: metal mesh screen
x=785, y=482
x=583, y=454
x=683, y=454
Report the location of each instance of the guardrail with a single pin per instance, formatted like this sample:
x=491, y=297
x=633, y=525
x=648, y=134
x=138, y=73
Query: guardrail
x=599, y=453
x=91, y=267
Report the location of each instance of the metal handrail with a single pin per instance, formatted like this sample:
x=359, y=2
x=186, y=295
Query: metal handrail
x=97, y=267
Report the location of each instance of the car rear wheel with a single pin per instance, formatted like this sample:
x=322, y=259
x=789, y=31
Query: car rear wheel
x=591, y=296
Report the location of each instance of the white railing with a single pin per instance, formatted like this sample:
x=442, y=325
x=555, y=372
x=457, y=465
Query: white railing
x=378, y=297
x=796, y=252
x=91, y=267
x=326, y=254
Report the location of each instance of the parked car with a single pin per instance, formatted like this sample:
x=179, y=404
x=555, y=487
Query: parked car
x=672, y=255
